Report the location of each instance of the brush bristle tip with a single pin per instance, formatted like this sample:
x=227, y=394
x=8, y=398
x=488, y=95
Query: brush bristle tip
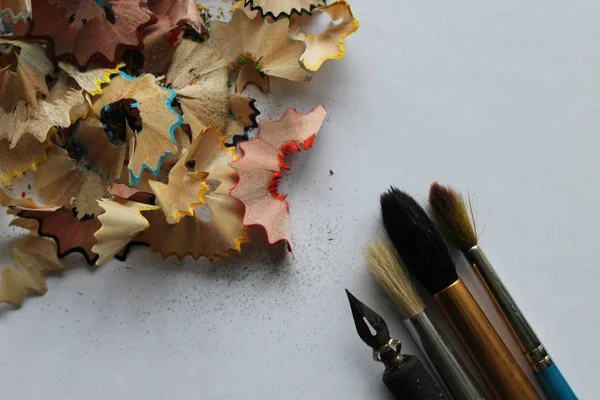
x=451, y=214
x=387, y=270
x=417, y=240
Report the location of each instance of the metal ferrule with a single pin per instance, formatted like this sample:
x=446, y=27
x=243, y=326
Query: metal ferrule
x=539, y=359
x=442, y=355
x=537, y=356
x=389, y=354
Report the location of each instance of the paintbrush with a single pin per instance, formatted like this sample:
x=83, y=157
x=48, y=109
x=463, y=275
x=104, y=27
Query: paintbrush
x=424, y=253
x=384, y=266
x=450, y=213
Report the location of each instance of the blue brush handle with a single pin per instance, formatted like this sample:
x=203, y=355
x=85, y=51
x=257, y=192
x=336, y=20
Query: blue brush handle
x=554, y=384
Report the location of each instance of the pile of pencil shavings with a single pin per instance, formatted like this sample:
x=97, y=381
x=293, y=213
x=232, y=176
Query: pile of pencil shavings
x=130, y=115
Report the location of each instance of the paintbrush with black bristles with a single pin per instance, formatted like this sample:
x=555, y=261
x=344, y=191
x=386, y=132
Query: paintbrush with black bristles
x=424, y=253
x=384, y=266
x=449, y=210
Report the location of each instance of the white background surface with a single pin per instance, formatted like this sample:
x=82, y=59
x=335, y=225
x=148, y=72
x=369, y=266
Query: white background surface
x=501, y=98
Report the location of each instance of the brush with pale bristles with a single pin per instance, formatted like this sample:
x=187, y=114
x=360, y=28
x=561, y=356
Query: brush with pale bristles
x=450, y=213
x=424, y=253
x=384, y=266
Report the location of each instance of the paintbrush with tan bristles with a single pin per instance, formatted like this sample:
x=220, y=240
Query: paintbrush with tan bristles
x=449, y=210
x=385, y=267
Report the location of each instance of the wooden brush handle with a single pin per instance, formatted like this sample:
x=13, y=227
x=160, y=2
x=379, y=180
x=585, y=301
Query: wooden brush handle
x=497, y=366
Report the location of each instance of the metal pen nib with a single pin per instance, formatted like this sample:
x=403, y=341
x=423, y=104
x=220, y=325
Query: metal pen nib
x=405, y=375
x=385, y=349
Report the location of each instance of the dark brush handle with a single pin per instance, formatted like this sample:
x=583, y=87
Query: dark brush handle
x=410, y=381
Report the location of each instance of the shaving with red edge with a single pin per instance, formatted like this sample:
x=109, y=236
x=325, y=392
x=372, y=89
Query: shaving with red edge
x=259, y=170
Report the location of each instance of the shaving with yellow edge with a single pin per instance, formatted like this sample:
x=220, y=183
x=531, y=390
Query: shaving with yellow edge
x=215, y=229
x=25, y=156
x=328, y=44
x=93, y=78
